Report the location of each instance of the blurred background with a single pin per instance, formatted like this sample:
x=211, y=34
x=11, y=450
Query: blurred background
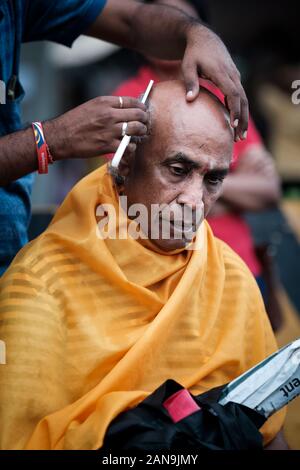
x=263, y=38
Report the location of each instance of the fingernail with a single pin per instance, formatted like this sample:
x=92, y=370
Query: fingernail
x=190, y=94
x=245, y=135
x=235, y=123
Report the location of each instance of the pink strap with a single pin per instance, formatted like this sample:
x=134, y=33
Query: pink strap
x=180, y=405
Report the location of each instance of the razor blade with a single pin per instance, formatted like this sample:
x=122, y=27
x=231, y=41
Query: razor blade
x=126, y=139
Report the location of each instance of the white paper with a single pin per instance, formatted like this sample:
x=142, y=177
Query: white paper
x=269, y=385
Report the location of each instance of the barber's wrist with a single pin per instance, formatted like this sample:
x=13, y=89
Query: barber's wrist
x=56, y=137
x=196, y=30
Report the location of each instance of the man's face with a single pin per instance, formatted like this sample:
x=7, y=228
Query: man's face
x=180, y=168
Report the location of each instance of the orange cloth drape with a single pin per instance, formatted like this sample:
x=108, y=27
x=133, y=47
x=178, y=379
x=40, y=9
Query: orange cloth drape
x=93, y=326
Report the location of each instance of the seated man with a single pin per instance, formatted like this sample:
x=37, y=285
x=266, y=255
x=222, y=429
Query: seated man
x=252, y=184
x=93, y=322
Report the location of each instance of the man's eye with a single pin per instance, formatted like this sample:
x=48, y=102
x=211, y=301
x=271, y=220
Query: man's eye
x=178, y=170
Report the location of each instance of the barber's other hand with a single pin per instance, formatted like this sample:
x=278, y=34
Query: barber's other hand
x=206, y=56
x=95, y=128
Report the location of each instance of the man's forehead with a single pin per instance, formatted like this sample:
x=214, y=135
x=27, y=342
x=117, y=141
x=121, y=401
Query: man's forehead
x=198, y=149
x=199, y=130
x=192, y=129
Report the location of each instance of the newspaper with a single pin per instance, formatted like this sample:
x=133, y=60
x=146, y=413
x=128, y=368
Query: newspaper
x=269, y=385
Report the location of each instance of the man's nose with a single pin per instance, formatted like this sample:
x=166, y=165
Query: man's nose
x=192, y=193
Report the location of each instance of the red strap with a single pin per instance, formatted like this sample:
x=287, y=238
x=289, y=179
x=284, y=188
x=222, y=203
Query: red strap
x=43, y=153
x=180, y=405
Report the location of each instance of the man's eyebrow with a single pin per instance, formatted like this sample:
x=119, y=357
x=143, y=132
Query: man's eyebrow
x=181, y=158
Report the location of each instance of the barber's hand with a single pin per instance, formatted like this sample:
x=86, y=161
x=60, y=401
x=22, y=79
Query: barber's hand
x=206, y=56
x=95, y=128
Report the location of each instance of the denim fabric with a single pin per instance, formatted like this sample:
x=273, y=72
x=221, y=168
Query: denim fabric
x=22, y=21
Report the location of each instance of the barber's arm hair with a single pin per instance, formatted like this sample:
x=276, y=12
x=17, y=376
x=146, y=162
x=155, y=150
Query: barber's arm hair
x=134, y=25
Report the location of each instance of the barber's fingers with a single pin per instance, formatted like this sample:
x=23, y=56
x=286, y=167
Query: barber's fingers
x=231, y=88
x=191, y=78
x=233, y=104
x=241, y=129
x=133, y=128
x=236, y=101
x=127, y=115
x=125, y=102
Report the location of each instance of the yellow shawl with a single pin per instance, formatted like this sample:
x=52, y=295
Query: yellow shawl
x=93, y=326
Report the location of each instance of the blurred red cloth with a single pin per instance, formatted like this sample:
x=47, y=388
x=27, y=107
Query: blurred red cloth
x=231, y=228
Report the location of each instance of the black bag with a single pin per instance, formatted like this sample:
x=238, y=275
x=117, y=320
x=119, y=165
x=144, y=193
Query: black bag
x=149, y=427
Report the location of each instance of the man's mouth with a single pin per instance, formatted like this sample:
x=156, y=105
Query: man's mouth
x=179, y=225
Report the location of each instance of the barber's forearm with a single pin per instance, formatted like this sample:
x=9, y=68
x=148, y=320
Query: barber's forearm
x=18, y=155
x=250, y=192
x=156, y=30
x=166, y=39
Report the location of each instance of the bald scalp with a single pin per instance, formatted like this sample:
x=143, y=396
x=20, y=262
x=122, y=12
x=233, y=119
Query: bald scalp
x=168, y=103
x=173, y=120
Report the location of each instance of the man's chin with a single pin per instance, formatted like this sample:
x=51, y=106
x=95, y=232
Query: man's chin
x=171, y=244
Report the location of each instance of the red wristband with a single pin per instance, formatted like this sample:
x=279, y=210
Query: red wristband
x=43, y=152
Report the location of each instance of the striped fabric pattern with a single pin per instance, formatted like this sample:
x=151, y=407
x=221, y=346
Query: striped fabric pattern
x=93, y=326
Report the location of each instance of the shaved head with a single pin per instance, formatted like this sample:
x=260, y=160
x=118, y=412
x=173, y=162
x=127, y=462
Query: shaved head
x=170, y=111
x=186, y=156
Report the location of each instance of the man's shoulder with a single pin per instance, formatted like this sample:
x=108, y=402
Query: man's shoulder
x=32, y=259
x=39, y=258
